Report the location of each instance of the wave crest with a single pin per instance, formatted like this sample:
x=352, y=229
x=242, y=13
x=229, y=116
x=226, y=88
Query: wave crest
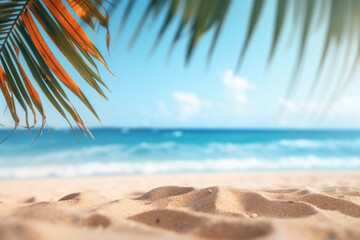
x=179, y=166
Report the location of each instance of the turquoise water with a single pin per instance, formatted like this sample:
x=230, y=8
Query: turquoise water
x=124, y=151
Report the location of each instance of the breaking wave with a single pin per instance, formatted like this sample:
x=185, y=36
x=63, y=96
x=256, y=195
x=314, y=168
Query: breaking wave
x=179, y=166
x=151, y=152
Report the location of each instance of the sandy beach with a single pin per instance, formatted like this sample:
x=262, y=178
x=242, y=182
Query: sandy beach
x=202, y=206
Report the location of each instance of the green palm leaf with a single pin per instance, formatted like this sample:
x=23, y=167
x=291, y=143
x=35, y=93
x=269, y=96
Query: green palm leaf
x=23, y=47
x=197, y=17
x=201, y=16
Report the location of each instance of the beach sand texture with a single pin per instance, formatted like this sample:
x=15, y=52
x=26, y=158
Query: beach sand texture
x=206, y=206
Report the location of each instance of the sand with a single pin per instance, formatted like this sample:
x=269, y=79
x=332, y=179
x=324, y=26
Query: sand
x=203, y=206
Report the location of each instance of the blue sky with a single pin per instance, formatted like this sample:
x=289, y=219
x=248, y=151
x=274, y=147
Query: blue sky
x=156, y=92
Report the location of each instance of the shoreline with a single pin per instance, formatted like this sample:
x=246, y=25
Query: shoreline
x=253, y=180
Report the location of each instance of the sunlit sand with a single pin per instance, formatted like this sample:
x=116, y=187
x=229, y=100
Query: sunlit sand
x=206, y=206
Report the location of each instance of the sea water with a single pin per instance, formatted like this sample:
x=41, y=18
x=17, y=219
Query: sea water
x=126, y=151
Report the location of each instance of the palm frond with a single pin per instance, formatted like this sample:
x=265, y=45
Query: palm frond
x=201, y=16
x=22, y=44
x=197, y=18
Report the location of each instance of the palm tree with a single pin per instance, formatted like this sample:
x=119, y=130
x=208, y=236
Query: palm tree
x=22, y=41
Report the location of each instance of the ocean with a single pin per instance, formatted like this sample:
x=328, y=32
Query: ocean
x=127, y=151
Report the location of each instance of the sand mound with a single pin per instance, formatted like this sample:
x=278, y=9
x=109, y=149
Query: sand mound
x=175, y=212
x=16, y=231
x=82, y=199
x=203, y=226
x=164, y=192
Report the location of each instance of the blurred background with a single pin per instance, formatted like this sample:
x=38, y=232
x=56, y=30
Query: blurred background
x=169, y=116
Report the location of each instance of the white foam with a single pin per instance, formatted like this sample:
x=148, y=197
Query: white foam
x=172, y=156
x=178, y=134
x=156, y=167
x=171, y=149
x=327, y=143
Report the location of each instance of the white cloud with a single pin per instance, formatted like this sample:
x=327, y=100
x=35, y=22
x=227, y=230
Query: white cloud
x=189, y=104
x=297, y=114
x=162, y=107
x=344, y=112
x=237, y=87
x=288, y=104
x=346, y=106
x=294, y=107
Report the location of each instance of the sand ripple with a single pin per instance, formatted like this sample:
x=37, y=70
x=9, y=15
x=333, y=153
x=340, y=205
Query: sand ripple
x=173, y=212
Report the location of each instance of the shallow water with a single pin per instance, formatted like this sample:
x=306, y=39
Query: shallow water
x=121, y=151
